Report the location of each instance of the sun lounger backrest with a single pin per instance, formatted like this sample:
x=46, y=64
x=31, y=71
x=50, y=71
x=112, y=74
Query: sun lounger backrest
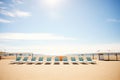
x=73, y=59
x=25, y=59
x=56, y=59
x=80, y=59
x=18, y=58
x=65, y=59
x=49, y=59
x=40, y=58
x=89, y=59
x=33, y=59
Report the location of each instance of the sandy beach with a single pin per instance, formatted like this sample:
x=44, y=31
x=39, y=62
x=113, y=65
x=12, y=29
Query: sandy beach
x=59, y=39
x=103, y=70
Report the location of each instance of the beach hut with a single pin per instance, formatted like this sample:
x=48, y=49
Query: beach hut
x=101, y=56
x=1, y=54
x=117, y=56
x=113, y=56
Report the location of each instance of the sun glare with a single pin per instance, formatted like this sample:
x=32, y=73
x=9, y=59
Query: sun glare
x=52, y=3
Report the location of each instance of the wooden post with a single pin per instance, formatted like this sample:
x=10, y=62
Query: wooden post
x=99, y=56
x=116, y=57
x=93, y=56
x=108, y=57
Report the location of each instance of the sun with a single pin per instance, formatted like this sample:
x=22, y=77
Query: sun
x=52, y=3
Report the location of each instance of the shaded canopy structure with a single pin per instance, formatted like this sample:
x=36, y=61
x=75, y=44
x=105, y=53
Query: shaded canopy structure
x=1, y=53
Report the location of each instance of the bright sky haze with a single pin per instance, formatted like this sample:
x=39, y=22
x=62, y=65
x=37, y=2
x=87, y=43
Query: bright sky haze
x=60, y=26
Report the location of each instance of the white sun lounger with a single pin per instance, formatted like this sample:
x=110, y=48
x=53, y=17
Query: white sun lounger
x=24, y=60
x=48, y=61
x=40, y=60
x=57, y=60
x=89, y=60
x=81, y=60
x=33, y=60
x=17, y=60
x=65, y=60
x=73, y=60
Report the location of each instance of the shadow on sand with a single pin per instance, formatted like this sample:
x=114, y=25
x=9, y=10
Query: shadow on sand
x=75, y=63
x=12, y=63
x=29, y=63
x=47, y=63
x=66, y=64
x=56, y=63
x=38, y=63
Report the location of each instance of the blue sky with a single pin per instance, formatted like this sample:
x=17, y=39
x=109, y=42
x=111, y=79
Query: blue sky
x=59, y=22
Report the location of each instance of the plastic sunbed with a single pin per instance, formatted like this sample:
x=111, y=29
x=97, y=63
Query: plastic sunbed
x=65, y=60
x=57, y=60
x=81, y=60
x=33, y=60
x=17, y=60
x=24, y=60
x=48, y=60
x=73, y=60
x=40, y=60
x=89, y=60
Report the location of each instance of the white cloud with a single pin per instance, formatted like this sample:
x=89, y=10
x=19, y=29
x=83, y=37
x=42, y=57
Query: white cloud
x=3, y=8
x=19, y=13
x=113, y=20
x=7, y=13
x=18, y=1
x=15, y=13
x=32, y=36
x=5, y=21
x=1, y=2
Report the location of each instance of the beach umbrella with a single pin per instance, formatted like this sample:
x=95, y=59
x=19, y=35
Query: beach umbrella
x=60, y=57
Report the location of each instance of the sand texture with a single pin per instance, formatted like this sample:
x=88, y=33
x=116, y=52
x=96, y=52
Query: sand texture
x=103, y=70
